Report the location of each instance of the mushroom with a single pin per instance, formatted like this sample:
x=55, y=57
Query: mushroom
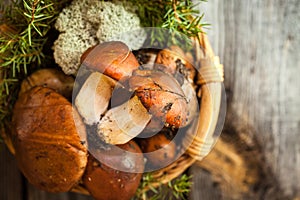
x=94, y=97
x=49, y=146
x=104, y=182
x=176, y=62
x=51, y=78
x=161, y=94
x=113, y=59
x=122, y=123
x=159, y=150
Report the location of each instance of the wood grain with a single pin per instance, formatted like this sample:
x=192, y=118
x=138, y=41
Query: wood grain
x=258, y=43
x=35, y=194
x=204, y=187
x=11, y=182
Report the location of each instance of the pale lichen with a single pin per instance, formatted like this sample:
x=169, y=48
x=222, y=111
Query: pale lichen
x=85, y=23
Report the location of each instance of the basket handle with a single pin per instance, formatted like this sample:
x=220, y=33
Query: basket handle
x=210, y=78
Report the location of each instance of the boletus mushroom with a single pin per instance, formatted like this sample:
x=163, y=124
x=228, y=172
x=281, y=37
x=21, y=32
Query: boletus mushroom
x=50, y=149
x=176, y=62
x=104, y=182
x=51, y=78
x=161, y=94
x=113, y=59
x=160, y=150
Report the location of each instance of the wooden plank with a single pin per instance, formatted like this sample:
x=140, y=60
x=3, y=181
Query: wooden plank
x=36, y=194
x=258, y=43
x=204, y=186
x=11, y=181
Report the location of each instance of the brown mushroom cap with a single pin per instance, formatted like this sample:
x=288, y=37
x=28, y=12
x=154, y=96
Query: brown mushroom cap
x=51, y=78
x=49, y=147
x=161, y=94
x=159, y=150
x=105, y=183
x=174, y=60
x=113, y=59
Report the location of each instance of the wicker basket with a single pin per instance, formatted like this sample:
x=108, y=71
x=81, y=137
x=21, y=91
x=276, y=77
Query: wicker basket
x=210, y=80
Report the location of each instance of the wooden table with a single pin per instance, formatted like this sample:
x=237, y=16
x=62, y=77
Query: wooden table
x=258, y=42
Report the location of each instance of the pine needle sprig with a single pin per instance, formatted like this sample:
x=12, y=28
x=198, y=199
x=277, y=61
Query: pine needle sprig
x=181, y=18
x=178, y=188
x=150, y=12
x=23, y=29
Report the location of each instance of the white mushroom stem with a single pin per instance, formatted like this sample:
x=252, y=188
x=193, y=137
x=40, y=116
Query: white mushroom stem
x=94, y=96
x=122, y=123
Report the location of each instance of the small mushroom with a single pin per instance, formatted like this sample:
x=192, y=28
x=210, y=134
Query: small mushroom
x=104, y=182
x=159, y=150
x=175, y=61
x=94, y=97
x=51, y=78
x=161, y=94
x=50, y=147
x=122, y=123
x=113, y=59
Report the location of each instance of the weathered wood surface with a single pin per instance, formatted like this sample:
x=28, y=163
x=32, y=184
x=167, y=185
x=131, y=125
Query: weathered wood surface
x=11, y=185
x=35, y=194
x=259, y=44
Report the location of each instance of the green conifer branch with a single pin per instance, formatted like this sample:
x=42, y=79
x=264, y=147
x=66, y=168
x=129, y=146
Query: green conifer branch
x=181, y=17
x=178, y=188
x=25, y=25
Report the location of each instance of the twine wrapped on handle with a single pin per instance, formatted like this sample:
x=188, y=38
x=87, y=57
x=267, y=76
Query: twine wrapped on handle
x=211, y=73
